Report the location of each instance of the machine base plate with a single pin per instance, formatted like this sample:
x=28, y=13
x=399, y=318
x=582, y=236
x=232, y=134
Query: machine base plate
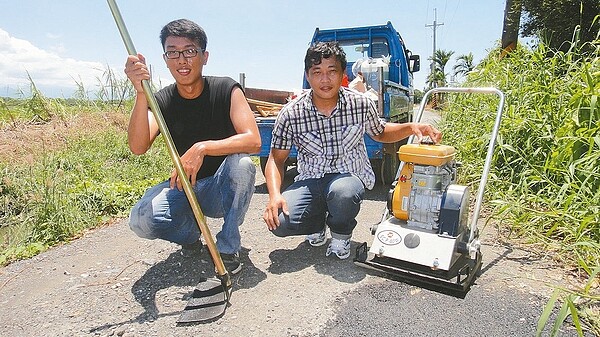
x=455, y=282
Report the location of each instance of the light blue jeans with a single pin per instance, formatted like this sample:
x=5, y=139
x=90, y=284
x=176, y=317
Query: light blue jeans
x=165, y=213
x=333, y=200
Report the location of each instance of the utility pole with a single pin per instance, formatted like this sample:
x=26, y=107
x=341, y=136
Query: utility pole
x=434, y=25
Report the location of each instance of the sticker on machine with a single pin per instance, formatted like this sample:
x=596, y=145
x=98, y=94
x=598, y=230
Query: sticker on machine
x=389, y=237
x=404, y=203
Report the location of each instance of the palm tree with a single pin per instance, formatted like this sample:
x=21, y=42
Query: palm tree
x=464, y=65
x=437, y=77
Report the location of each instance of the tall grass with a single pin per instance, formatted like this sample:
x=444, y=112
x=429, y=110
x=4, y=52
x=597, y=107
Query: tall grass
x=547, y=167
x=91, y=181
x=55, y=194
x=37, y=109
x=545, y=184
x=112, y=93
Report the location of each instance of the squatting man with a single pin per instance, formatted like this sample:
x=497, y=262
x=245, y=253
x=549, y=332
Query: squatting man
x=327, y=125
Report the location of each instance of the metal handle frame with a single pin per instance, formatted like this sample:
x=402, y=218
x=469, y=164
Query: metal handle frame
x=490, y=151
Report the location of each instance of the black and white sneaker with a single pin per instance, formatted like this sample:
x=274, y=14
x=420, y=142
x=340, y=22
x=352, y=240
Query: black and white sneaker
x=341, y=248
x=191, y=249
x=232, y=263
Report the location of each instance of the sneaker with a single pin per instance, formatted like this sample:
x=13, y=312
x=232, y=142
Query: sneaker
x=341, y=248
x=317, y=239
x=191, y=249
x=232, y=263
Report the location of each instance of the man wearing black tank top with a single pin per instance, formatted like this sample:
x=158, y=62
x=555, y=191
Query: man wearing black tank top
x=213, y=129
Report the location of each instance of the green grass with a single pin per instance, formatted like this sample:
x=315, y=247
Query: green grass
x=545, y=178
x=113, y=93
x=58, y=192
x=547, y=164
x=91, y=181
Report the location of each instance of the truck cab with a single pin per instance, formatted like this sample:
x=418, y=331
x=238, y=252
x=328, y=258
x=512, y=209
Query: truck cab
x=392, y=86
x=375, y=42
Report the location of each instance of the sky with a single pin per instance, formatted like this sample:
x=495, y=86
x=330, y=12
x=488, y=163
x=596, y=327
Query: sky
x=64, y=44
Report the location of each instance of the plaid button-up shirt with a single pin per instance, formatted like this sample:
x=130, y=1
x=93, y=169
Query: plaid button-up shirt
x=333, y=144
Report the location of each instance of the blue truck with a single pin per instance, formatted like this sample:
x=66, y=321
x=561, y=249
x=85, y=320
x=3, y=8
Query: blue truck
x=387, y=66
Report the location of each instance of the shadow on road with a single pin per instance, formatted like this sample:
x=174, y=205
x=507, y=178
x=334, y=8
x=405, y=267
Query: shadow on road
x=178, y=271
x=304, y=256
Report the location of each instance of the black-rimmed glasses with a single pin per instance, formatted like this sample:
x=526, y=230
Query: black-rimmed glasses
x=188, y=53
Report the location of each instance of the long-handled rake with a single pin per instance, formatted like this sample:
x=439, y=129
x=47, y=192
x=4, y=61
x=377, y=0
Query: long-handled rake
x=211, y=296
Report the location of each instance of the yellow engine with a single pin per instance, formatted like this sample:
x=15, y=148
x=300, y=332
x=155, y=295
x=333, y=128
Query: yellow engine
x=425, y=195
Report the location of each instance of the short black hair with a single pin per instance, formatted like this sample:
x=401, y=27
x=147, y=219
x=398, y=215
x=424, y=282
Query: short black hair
x=320, y=50
x=184, y=28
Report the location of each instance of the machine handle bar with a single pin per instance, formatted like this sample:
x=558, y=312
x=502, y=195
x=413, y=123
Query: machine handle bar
x=490, y=151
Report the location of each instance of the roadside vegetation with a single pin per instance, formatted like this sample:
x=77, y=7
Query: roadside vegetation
x=544, y=189
x=66, y=167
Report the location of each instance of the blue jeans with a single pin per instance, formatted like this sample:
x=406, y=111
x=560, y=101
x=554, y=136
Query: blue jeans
x=165, y=213
x=333, y=200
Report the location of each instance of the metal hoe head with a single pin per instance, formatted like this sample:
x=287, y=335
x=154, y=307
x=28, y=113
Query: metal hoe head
x=209, y=301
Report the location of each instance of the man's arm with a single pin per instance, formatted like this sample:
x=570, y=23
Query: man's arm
x=143, y=128
x=395, y=132
x=274, y=177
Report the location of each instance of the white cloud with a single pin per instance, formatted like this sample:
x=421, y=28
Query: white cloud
x=59, y=48
x=49, y=70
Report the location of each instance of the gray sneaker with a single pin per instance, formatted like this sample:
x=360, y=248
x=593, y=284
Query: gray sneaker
x=341, y=248
x=317, y=239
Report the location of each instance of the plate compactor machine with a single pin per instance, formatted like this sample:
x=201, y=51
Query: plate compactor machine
x=425, y=237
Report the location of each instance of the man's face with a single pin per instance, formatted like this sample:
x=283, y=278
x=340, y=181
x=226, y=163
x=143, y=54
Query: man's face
x=326, y=78
x=185, y=70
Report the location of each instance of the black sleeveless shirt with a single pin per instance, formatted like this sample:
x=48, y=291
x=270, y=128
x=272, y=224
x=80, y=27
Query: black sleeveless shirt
x=205, y=117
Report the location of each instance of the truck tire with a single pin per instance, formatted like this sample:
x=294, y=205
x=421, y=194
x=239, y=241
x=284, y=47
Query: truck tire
x=388, y=169
x=263, y=164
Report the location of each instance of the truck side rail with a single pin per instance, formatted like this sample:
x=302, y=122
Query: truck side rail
x=394, y=85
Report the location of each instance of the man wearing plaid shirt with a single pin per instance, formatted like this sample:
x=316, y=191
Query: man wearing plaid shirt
x=327, y=125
